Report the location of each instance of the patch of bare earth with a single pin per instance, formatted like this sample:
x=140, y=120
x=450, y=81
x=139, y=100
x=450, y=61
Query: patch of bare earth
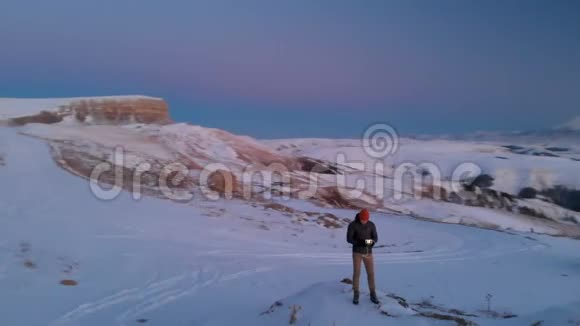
x=29, y=264
x=280, y=208
x=69, y=283
x=272, y=308
x=214, y=212
x=24, y=253
x=334, y=197
x=459, y=321
x=328, y=220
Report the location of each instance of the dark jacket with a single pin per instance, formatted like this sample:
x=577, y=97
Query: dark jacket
x=357, y=234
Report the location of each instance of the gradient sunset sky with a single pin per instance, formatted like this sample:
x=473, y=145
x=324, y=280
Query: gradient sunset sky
x=306, y=68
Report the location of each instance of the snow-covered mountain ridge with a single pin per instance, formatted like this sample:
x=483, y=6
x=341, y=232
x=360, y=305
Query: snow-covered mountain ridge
x=213, y=162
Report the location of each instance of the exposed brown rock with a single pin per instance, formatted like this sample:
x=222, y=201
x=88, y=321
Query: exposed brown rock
x=223, y=182
x=330, y=221
x=308, y=164
x=280, y=207
x=333, y=197
x=346, y=280
x=434, y=192
x=43, y=117
x=103, y=111
x=121, y=111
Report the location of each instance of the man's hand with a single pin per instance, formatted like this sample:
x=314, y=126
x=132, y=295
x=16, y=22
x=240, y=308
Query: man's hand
x=369, y=242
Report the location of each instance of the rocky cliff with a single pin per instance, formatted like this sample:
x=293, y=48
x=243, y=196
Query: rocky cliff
x=109, y=110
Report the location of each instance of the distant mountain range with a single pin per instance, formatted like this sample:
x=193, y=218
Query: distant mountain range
x=572, y=125
x=565, y=134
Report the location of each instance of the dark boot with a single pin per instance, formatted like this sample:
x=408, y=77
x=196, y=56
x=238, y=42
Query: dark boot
x=355, y=297
x=374, y=298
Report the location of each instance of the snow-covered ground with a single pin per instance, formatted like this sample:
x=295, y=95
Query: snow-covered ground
x=156, y=262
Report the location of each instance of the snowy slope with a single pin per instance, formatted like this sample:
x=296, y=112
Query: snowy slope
x=198, y=147
x=195, y=147
x=156, y=262
x=514, y=171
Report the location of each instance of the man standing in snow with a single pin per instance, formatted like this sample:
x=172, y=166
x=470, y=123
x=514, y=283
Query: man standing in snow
x=362, y=234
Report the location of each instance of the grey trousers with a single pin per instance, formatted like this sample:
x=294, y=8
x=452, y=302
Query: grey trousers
x=357, y=258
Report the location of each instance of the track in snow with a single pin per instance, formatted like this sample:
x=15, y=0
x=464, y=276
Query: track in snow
x=152, y=296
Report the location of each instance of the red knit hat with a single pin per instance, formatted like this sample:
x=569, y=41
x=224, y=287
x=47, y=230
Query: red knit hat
x=364, y=215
